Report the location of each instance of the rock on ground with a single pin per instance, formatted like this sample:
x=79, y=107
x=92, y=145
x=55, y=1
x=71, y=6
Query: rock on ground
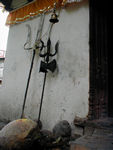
x=15, y=132
x=62, y=129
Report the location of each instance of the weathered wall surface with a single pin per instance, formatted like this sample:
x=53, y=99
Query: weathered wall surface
x=66, y=91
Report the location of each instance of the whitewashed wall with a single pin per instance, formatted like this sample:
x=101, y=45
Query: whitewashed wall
x=66, y=91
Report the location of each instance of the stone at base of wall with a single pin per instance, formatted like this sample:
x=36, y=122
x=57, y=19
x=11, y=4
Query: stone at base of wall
x=78, y=147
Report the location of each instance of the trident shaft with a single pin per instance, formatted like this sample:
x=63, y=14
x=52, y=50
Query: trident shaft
x=46, y=64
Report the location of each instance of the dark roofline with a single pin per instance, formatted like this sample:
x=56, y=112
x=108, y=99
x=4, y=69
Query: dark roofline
x=7, y=4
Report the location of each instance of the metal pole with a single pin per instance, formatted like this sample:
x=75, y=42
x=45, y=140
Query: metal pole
x=42, y=97
x=38, y=37
x=28, y=81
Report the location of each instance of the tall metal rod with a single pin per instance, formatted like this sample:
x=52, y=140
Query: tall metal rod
x=42, y=96
x=38, y=37
x=45, y=74
x=46, y=56
x=28, y=81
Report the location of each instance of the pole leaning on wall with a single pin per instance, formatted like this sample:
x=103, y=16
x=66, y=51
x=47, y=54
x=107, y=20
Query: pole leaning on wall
x=48, y=65
x=36, y=46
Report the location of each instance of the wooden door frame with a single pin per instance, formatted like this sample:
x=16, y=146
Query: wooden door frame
x=99, y=106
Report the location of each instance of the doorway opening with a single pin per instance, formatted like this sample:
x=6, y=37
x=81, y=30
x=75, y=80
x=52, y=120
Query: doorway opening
x=100, y=106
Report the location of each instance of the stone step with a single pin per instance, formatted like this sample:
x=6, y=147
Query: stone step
x=78, y=147
x=93, y=143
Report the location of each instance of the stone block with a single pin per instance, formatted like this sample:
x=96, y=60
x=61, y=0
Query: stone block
x=78, y=147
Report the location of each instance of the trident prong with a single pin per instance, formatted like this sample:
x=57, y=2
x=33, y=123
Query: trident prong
x=48, y=54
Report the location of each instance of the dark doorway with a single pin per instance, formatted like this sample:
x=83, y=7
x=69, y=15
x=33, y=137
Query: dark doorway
x=99, y=104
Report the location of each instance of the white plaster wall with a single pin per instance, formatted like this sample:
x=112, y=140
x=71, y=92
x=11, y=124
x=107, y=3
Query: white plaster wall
x=66, y=91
